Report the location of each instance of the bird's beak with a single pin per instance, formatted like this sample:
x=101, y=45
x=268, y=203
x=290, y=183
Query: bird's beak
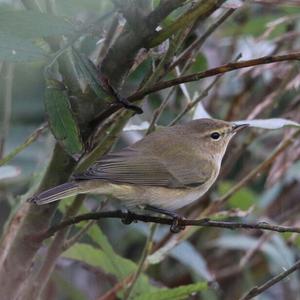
x=239, y=127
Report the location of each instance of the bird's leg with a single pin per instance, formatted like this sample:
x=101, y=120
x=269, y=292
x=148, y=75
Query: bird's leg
x=175, y=227
x=128, y=217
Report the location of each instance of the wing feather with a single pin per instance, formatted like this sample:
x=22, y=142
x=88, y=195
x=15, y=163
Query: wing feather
x=132, y=166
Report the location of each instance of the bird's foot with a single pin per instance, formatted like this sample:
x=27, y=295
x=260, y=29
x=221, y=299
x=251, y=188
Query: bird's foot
x=127, y=217
x=176, y=227
x=177, y=219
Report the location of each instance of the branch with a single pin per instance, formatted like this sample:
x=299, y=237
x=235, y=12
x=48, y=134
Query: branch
x=128, y=217
x=29, y=140
x=197, y=44
x=260, y=289
x=198, y=12
x=197, y=76
x=212, y=72
x=120, y=56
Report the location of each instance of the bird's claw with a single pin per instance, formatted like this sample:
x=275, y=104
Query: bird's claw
x=176, y=227
x=127, y=218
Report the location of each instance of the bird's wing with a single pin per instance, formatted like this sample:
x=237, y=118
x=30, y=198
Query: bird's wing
x=132, y=167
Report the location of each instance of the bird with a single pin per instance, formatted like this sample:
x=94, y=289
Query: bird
x=165, y=171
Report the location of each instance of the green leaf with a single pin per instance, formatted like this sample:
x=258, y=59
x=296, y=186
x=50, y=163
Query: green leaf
x=99, y=258
x=73, y=7
x=243, y=198
x=61, y=120
x=100, y=238
x=30, y=24
x=254, y=27
x=88, y=72
x=16, y=49
x=179, y=293
x=200, y=63
x=122, y=267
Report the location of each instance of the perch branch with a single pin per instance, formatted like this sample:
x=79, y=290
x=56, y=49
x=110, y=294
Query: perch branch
x=134, y=217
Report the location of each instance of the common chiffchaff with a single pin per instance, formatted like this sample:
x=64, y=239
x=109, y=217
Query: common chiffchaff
x=167, y=169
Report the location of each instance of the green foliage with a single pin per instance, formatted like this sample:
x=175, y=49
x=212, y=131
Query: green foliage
x=61, y=120
x=110, y=263
x=17, y=49
x=87, y=71
x=29, y=24
x=200, y=63
x=256, y=26
x=19, y=28
x=114, y=250
x=243, y=198
x=73, y=7
x=179, y=293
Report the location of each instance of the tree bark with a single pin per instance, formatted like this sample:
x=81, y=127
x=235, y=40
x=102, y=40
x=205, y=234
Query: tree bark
x=18, y=261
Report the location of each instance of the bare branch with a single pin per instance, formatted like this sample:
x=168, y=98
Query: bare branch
x=260, y=289
x=30, y=139
x=201, y=39
x=134, y=217
x=212, y=72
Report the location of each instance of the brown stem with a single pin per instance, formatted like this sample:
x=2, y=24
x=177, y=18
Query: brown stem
x=118, y=214
x=18, y=261
x=212, y=72
x=260, y=289
x=35, y=290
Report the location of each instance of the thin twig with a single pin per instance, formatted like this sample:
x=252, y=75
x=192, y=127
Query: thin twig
x=197, y=76
x=201, y=40
x=134, y=217
x=7, y=102
x=141, y=265
x=33, y=136
x=108, y=38
x=265, y=164
x=192, y=104
x=214, y=71
x=77, y=237
x=260, y=289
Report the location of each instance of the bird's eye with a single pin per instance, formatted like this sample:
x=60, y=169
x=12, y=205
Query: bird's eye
x=215, y=135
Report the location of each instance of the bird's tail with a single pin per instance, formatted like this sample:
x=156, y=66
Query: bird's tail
x=56, y=193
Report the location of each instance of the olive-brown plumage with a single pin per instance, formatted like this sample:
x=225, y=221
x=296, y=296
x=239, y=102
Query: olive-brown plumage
x=169, y=168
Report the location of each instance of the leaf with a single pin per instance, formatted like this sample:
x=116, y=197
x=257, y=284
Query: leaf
x=200, y=63
x=98, y=258
x=99, y=237
x=188, y=255
x=88, y=72
x=8, y=172
x=254, y=27
x=275, y=123
x=61, y=120
x=73, y=7
x=178, y=293
x=16, y=49
x=184, y=252
x=243, y=198
x=277, y=259
x=30, y=24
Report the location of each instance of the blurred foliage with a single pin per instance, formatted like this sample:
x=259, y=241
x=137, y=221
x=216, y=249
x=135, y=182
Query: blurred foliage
x=211, y=263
